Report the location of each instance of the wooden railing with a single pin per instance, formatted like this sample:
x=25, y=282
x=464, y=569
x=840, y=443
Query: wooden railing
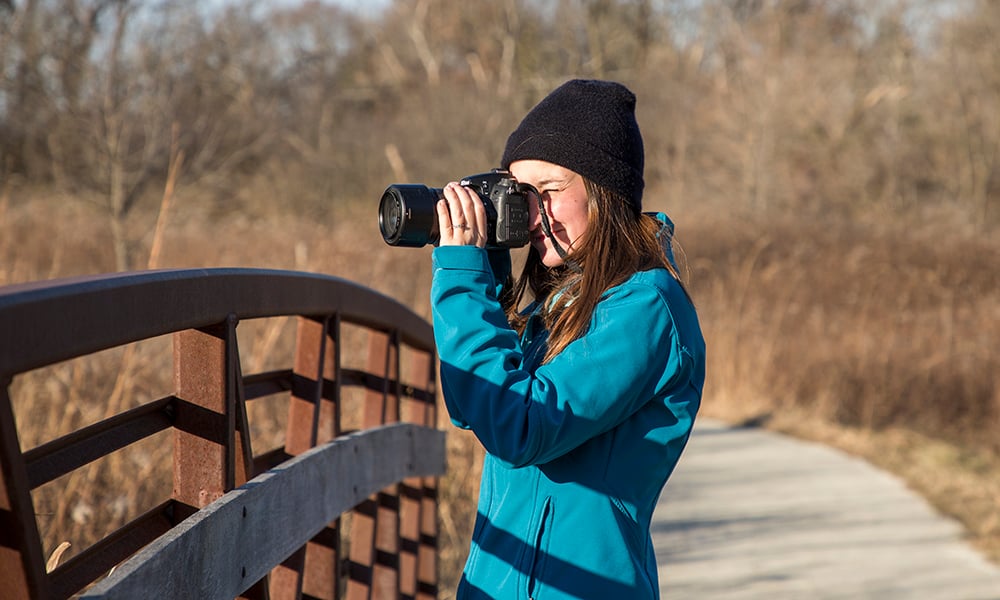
x=238, y=523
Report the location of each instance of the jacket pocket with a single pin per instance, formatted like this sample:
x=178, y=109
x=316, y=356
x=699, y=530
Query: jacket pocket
x=539, y=549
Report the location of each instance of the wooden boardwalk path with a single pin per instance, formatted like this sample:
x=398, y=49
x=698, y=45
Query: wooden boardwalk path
x=750, y=514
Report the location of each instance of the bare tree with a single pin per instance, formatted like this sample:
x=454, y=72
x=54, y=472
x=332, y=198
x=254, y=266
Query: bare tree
x=968, y=67
x=827, y=106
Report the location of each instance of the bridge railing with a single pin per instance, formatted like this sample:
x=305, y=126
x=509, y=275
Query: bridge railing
x=239, y=523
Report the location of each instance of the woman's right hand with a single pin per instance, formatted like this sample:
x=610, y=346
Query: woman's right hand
x=461, y=217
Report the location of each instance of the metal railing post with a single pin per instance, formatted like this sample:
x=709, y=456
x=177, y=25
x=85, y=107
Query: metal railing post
x=211, y=441
x=375, y=523
x=22, y=566
x=313, y=418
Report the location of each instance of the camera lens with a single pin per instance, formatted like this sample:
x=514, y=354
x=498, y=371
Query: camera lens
x=407, y=215
x=390, y=218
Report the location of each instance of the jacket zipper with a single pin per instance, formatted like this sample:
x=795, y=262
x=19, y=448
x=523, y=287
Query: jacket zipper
x=538, y=552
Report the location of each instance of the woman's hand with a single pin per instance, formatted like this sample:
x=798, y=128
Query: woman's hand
x=461, y=217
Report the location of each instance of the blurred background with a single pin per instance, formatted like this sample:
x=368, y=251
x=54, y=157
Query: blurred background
x=833, y=168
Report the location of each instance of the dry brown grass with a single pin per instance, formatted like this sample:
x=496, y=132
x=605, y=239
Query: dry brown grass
x=879, y=338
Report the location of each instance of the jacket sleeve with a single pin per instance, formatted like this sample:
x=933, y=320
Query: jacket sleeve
x=629, y=355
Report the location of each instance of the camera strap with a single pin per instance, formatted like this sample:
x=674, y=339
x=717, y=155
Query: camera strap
x=572, y=264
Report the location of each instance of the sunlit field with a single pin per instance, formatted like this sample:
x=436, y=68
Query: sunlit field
x=880, y=339
x=831, y=168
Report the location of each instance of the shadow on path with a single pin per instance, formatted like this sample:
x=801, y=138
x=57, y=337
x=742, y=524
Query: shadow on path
x=751, y=514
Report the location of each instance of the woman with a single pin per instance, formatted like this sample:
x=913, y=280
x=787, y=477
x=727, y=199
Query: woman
x=584, y=399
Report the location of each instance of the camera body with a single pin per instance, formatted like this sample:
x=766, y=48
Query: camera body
x=407, y=214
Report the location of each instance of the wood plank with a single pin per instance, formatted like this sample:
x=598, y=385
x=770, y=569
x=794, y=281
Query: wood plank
x=235, y=541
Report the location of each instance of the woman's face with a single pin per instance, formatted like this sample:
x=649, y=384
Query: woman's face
x=564, y=196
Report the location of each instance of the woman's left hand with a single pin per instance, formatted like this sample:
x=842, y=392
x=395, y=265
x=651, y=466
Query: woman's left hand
x=461, y=217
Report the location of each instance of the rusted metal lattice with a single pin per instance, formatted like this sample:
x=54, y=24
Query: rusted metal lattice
x=289, y=512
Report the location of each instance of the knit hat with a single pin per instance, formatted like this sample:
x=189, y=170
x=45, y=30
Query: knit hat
x=588, y=127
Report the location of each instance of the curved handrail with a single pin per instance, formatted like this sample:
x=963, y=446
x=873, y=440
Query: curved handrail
x=46, y=322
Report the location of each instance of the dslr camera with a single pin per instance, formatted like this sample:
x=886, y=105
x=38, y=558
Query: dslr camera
x=407, y=214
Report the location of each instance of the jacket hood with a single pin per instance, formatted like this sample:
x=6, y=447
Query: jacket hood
x=665, y=235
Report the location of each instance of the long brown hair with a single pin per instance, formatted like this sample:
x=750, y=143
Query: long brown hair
x=617, y=243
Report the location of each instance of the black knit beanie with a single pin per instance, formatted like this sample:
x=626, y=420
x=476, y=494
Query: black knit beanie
x=589, y=127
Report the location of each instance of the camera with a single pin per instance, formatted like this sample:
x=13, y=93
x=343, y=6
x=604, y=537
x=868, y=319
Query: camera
x=407, y=214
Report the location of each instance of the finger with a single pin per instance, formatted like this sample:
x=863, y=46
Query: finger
x=469, y=201
x=445, y=229
x=479, y=210
x=458, y=230
x=453, y=194
x=474, y=212
x=468, y=222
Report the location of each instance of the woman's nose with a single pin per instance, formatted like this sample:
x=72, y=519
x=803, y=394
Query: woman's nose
x=534, y=220
x=534, y=214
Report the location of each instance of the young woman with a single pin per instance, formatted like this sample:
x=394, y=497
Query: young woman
x=585, y=398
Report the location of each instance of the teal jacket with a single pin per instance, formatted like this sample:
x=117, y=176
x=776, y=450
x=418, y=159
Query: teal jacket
x=579, y=448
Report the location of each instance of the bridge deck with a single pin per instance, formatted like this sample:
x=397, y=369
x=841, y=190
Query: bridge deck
x=750, y=514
